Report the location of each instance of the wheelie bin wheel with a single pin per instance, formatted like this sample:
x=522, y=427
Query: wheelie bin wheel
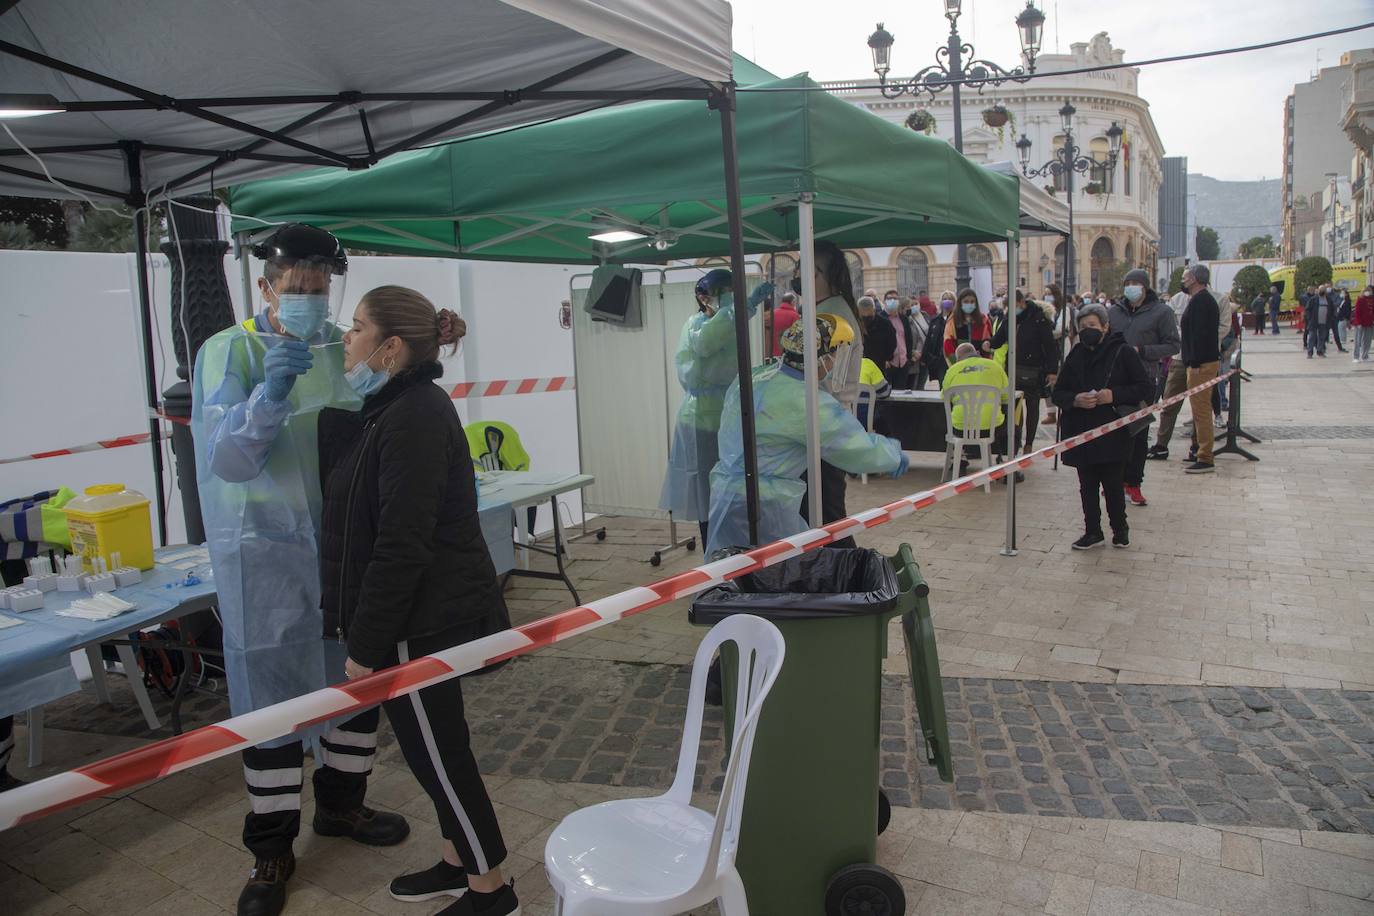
x=692, y=544
x=884, y=811
x=601, y=535
x=864, y=890
x=655, y=560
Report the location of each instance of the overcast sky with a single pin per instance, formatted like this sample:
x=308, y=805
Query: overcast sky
x=1225, y=114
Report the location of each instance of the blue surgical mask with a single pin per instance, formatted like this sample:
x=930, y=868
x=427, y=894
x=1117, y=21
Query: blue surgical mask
x=302, y=315
x=891, y=306
x=1134, y=292
x=725, y=300
x=968, y=307
x=365, y=380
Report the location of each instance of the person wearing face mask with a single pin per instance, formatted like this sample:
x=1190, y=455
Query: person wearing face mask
x=835, y=292
x=1362, y=320
x=1100, y=373
x=1037, y=362
x=1200, y=330
x=880, y=340
x=919, y=326
x=257, y=393
x=706, y=363
x=933, y=353
x=1149, y=326
x=969, y=325
x=406, y=573
x=780, y=430
x=896, y=367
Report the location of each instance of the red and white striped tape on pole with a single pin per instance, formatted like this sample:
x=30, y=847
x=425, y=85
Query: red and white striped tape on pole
x=172, y=755
x=120, y=442
x=508, y=386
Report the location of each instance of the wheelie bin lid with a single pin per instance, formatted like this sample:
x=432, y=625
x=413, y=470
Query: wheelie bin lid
x=832, y=582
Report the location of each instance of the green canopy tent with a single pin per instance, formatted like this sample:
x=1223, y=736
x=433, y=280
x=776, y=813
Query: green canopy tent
x=811, y=166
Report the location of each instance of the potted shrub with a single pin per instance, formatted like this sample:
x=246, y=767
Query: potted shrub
x=921, y=121
x=1092, y=187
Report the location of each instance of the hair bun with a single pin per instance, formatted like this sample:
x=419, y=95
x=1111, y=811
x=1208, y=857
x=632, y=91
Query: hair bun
x=451, y=328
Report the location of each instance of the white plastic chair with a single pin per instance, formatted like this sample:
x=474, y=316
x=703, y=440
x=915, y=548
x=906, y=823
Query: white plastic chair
x=975, y=401
x=661, y=856
x=868, y=396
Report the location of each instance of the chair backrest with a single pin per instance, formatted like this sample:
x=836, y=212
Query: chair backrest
x=868, y=396
x=486, y=439
x=975, y=401
x=761, y=649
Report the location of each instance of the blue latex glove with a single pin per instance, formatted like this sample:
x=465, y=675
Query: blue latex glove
x=760, y=293
x=901, y=466
x=282, y=364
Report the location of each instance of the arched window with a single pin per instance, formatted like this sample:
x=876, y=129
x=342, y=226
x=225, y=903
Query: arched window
x=913, y=272
x=979, y=256
x=1060, y=179
x=1129, y=254
x=1100, y=150
x=856, y=272
x=1060, y=253
x=781, y=269
x=1102, y=256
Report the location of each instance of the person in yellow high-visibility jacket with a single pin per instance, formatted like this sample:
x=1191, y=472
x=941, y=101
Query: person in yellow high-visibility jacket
x=971, y=369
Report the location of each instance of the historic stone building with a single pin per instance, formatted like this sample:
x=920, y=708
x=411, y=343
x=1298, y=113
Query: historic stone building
x=1116, y=217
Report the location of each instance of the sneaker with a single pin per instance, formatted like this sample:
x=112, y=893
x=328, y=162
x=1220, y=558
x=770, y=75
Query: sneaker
x=371, y=828
x=1157, y=453
x=1089, y=541
x=1309, y=356
x=498, y=903
x=1121, y=539
x=442, y=880
x=1200, y=467
x=265, y=892
x=1135, y=496
x=1191, y=456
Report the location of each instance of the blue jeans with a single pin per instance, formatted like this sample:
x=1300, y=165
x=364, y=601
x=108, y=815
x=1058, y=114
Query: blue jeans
x=1274, y=320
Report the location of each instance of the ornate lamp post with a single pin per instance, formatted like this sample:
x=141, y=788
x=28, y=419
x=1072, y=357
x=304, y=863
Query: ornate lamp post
x=954, y=68
x=1067, y=160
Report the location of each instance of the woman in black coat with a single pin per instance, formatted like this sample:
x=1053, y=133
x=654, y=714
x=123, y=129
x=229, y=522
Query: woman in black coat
x=1100, y=374
x=405, y=572
x=1037, y=362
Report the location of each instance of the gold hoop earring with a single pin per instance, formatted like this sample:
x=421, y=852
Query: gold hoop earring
x=389, y=363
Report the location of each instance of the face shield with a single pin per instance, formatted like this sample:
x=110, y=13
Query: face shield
x=306, y=298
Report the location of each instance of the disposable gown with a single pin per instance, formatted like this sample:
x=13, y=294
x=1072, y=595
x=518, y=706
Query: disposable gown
x=706, y=365
x=257, y=463
x=780, y=430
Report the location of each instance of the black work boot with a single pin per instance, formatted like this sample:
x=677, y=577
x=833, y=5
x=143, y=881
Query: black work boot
x=265, y=892
x=371, y=828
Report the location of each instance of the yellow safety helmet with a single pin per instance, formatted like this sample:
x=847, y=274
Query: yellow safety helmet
x=831, y=331
x=841, y=331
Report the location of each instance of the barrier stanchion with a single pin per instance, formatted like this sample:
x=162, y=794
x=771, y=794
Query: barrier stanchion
x=1233, y=427
x=172, y=755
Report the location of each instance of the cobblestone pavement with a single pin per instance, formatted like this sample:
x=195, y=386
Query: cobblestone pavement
x=1313, y=432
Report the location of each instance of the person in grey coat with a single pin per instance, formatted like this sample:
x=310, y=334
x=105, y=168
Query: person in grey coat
x=1151, y=329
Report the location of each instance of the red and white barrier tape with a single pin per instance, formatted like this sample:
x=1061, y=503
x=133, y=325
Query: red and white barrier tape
x=172, y=755
x=508, y=386
x=134, y=439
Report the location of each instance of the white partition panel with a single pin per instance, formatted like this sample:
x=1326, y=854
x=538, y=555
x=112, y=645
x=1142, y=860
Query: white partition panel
x=628, y=393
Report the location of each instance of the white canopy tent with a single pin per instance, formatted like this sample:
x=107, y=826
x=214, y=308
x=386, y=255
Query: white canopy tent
x=140, y=100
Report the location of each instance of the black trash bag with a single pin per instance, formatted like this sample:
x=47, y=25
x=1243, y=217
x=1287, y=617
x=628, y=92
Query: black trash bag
x=823, y=583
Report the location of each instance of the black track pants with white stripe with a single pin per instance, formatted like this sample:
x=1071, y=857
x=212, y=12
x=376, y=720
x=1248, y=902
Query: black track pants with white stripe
x=274, y=777
x=433, y=735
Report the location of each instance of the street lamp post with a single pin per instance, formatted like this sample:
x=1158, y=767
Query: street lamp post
x=951, y=71
x=1068, y=159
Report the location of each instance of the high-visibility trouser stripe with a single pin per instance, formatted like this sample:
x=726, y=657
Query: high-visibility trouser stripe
x=441, y=774
x=268, y=780
x=6, y=749
x=272, y=804
x=345, y=758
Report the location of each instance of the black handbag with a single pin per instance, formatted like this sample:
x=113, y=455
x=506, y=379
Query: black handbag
x=1124, y=410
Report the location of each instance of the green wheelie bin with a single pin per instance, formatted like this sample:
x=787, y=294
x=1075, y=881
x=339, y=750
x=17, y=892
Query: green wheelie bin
x=813, y=808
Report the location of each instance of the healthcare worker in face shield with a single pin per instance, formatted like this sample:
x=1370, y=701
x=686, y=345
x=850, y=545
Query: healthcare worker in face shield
x=707, y=363
x=780, y=432
x=257, y=392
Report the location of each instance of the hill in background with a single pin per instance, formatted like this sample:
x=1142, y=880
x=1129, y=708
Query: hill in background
x=1238, y=210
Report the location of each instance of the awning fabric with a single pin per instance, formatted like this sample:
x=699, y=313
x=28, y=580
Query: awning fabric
x=203, y=53
x=538, y=193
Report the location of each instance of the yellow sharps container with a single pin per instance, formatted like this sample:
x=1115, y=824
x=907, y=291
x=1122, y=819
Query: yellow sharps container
x=110, y=519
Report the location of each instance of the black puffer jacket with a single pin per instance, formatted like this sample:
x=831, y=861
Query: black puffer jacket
x=402, y=552
x=1111, y=364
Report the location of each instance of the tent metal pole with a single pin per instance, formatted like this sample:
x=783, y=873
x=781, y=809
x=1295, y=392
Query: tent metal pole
x=1013, y=261
x=139, y=201
x=806, y=234
x=725, y=102
x=245, y=274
